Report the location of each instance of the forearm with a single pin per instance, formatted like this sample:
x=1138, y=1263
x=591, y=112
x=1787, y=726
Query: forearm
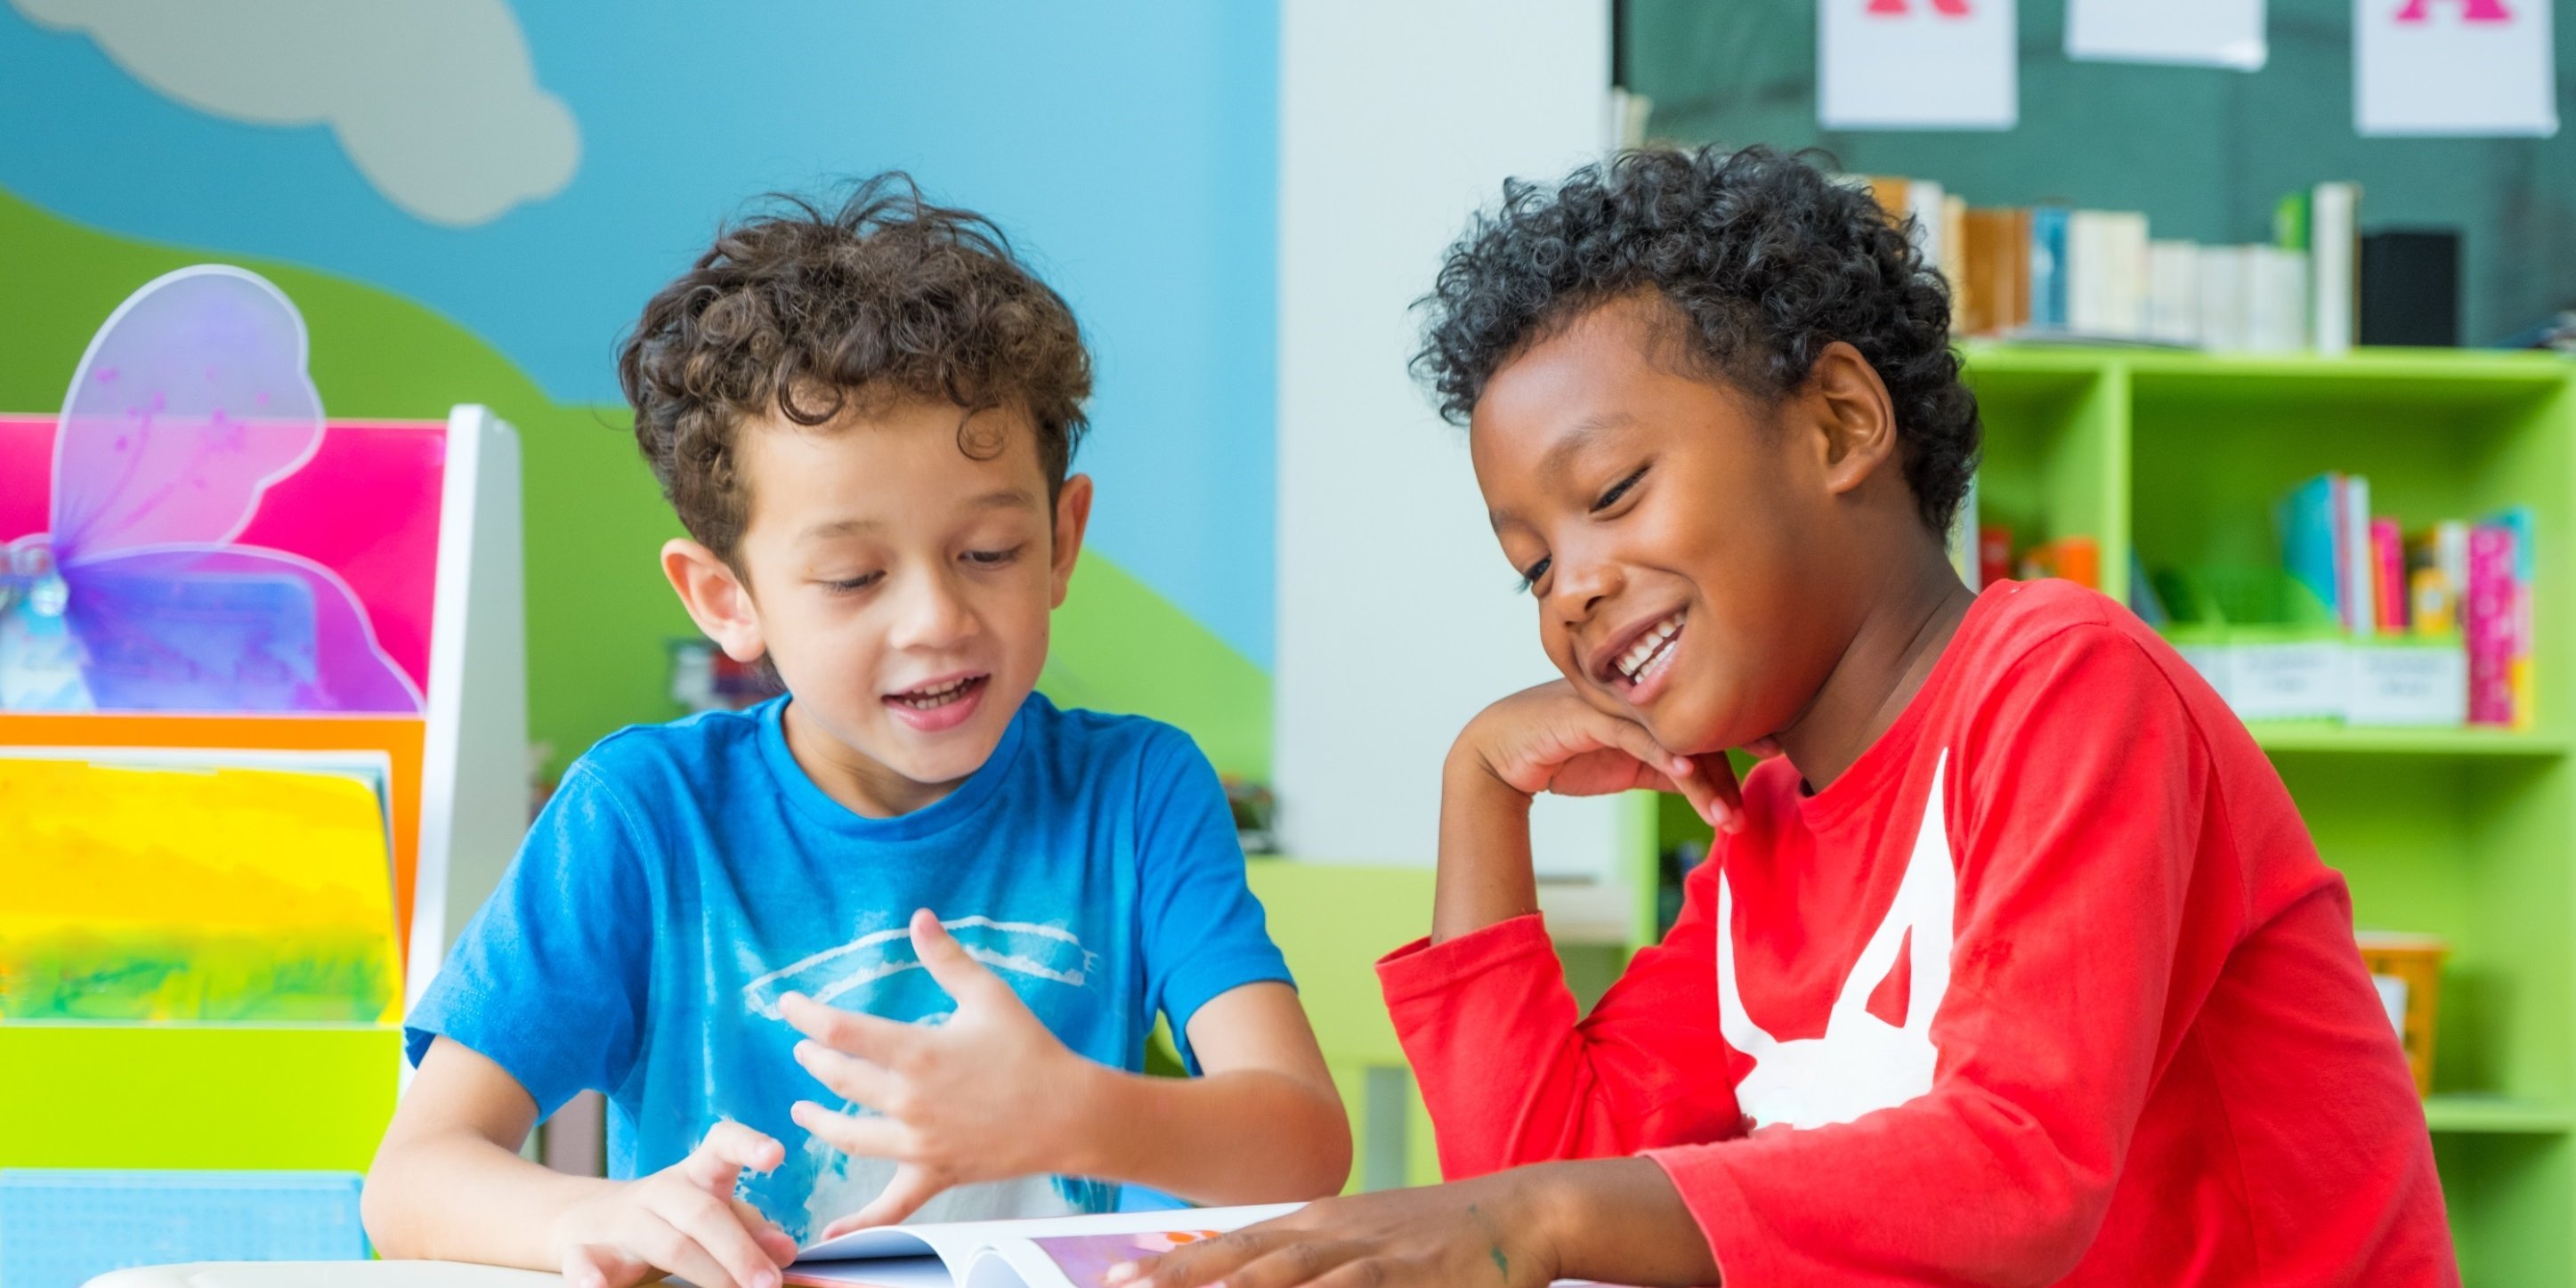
x=457, y=1196
x=1243, y=1136
x=1485, y=875
x=1614, y=1220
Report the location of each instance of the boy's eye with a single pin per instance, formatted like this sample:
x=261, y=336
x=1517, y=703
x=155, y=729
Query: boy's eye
x=993, y=558
x=1618, y=490
x=1531, y=574
x=847, y=585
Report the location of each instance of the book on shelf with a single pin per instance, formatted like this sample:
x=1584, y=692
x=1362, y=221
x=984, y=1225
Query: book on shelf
x=2334, y=265
x=2048, y=249
x=2057, y=271
x=1994, y=283
x=2409, y=287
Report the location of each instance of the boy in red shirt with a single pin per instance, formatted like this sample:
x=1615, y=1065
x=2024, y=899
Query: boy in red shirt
x=2013, y=963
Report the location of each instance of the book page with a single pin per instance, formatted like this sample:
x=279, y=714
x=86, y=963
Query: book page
x=955, y=1241
x=879, y=1272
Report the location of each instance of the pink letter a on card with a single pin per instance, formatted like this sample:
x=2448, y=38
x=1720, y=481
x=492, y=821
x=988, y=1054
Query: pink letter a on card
x=2453, y=67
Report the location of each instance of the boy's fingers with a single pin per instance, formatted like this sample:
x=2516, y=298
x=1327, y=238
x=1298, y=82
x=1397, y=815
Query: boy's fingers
x=682, y=1256
x=1203, y=1262
x=717, y=1232
x=1632, y=738
x=864, y=1081
x=965, y=978
x=865, y=1137
x=1718, y=773
x=869, y=1037
x=911, y=1187
x=729, y=1148
x=773, y=1241
x=598, y=1265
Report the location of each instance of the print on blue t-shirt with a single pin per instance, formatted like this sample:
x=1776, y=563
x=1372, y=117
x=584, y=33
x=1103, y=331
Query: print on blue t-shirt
x=685, y=876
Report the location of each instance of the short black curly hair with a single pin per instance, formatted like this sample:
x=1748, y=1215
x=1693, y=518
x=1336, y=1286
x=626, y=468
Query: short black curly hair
x=809, y=313
x=1766, y=257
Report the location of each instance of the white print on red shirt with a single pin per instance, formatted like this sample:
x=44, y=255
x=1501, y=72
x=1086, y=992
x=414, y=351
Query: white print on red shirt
x=1862, y=1062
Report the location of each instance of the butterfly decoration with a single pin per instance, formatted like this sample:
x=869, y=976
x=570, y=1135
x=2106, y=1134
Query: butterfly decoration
x=191, y=401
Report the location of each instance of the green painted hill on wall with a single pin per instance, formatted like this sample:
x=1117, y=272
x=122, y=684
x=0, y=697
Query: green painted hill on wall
x=599, y=615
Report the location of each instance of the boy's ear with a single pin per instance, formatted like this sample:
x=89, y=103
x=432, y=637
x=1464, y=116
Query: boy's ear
x=1072, y=516
x=716, y=598
x=1852, y=415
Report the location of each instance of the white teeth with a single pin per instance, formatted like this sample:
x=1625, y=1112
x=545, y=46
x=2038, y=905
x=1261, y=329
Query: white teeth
x=935, y=695
x=1649, y=646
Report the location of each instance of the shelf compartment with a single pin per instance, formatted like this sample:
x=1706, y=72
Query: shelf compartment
x=2330, y=737
x=2460, y=1113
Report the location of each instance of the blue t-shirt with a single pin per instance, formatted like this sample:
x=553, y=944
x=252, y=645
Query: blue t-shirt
x=687, y=875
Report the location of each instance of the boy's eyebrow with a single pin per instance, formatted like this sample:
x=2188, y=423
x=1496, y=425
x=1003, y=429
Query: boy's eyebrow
x=998, y=499
x=1561, y=454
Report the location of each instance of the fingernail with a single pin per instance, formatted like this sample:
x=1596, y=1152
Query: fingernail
x=803, y=1109
x=804, y=1051
x=764, y=1279
x=1120, y=1273
x=785, y=998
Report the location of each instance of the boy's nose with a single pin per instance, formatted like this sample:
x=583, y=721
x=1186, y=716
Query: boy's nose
x=1580, y=588
x=933, y=615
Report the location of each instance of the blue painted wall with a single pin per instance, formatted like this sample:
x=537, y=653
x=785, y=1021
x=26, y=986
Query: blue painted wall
x=1131, y=148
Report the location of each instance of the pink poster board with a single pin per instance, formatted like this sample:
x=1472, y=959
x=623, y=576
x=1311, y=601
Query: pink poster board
x=363, y=508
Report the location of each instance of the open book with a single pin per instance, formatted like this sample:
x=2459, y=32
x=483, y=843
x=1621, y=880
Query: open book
x=1045, y=1252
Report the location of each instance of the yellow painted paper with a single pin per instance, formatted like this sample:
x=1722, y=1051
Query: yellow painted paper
x=224, y=895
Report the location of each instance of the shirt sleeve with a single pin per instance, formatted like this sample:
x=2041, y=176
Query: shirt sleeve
x=1511, y=1076
x=1202, y=930
x=549, y=978
x=2077, y=794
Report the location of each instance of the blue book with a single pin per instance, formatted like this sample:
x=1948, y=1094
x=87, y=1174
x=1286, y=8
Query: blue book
x=2308, y=539
x=2048, y=267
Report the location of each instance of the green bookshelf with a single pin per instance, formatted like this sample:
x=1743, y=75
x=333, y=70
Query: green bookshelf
x=2469, y=834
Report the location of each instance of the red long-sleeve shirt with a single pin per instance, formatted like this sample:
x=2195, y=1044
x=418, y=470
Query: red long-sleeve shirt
x=2050, y=986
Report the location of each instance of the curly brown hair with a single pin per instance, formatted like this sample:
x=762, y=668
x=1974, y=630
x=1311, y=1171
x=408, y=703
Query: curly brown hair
x=890, y=298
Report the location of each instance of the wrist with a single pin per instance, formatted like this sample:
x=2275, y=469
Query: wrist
x=1468, y=777
x=1089, y=1097
x=1550, y=1210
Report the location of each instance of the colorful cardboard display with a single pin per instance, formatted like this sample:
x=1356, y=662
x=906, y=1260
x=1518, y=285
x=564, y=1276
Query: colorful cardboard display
x=160, y=894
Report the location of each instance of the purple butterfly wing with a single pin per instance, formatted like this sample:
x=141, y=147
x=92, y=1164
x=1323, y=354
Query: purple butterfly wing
x=227, y=628
x=191, y=400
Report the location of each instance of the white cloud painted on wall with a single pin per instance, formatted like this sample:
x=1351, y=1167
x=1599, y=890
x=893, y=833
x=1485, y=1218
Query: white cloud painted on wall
x=435, y=101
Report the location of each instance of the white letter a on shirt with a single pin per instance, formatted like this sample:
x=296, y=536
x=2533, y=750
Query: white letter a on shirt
x=1862, y=1062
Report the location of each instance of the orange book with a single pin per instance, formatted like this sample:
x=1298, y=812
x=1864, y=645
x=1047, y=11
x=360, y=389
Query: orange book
x=1995, y=290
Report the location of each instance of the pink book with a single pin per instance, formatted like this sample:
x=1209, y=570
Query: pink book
x=2388, y=574
x=2490, y=614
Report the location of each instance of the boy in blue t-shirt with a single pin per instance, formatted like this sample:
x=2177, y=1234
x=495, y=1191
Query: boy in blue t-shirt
x=970, y=905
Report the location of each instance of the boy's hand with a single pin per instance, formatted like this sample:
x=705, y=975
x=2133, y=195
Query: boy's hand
x=682, y=1220
x=988, y=1095
x=1474, y=1232
x=1546, y=738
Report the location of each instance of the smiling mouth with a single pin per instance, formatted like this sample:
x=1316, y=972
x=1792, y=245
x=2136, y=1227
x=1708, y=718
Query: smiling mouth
x=1652, y=651
x=931, y=697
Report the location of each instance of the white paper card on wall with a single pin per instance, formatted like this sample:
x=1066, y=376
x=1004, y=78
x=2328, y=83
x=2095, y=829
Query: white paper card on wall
x=1916, y=65
x=2453, y=67
x=2212, y=33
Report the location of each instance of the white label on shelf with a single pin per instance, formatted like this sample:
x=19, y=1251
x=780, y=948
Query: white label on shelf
x=2392, y=996
x=1916, y=65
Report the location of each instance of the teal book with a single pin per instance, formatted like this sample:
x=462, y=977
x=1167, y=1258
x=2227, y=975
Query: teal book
x=2048, y=267
x=2309, y=529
